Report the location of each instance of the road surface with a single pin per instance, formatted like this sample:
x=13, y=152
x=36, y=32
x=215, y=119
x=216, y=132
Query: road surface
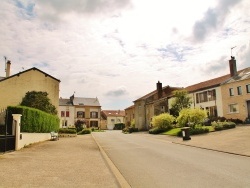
x=152, y=161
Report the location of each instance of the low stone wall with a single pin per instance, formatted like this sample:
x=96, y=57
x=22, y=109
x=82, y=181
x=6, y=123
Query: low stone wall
x=31, y=138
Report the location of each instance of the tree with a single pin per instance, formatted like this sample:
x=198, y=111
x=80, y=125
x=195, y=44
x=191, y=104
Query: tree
x=39, y=100
x=181, y=100
x=79, y=125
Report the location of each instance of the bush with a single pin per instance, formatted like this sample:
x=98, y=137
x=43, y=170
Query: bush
x=129, y=130
x=194, y=116
x=198, y=129
x=163, y=121
x=67, y=131
x=85, y=131
x=218, y=126
x=157, y=130
x=119, y=126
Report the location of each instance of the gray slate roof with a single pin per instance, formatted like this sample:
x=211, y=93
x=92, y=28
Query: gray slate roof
x=79, y=101
x=86, y=101
x=243, y=75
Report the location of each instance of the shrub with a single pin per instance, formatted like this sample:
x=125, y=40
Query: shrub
x=198, y=129
x=129, y=130
x=79, y=125
x=85, y=131
x=218, y=126
x=163, y=121
x=67, y=131
x=194, y=116
x=157, y=130
x=119, y=126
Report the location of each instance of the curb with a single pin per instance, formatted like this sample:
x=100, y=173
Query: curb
x=119, y=177
x=232, y=153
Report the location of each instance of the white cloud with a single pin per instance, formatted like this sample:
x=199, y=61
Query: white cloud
x=122, y=48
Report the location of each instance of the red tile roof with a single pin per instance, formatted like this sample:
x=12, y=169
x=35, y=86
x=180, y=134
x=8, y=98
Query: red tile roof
x=209, y=83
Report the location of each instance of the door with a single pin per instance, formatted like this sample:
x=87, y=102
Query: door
x=248, y=108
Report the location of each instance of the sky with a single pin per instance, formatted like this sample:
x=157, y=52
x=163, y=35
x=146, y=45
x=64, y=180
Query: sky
x=117, y=50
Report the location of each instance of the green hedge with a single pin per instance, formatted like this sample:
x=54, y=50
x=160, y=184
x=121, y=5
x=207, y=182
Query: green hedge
x=67, y=131
x=119, y=126
x=129, y=130
x=34, y=120
x=85, y=131
x=157, y=130
x=218, y=126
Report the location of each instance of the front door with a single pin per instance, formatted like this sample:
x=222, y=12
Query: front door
x=248, y=108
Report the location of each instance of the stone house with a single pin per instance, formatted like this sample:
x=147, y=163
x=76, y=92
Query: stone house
x=129, y=115
x=151, y=104
x=226, y=96
x=14, y=87
x=112, y=117
x=73, y=109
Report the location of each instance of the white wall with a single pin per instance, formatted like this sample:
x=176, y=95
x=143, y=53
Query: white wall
x=31, y=138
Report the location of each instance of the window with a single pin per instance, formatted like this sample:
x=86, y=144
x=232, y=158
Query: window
x=231, y=91
x=62, y=114
x=93, y=123
x=239, y=90
x=94, y=114
x=248, y=88
x=67, y=113
x=80, y=114
x=118, y=121
x=112, y=120
x=205, y=96
x=233, y=108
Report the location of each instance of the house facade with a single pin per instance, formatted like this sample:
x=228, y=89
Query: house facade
x=14, y=87
x=87, y=110
x=154, y=103
x=129, y=115
x=236, y=96
x=112, y=117
x=226, y=96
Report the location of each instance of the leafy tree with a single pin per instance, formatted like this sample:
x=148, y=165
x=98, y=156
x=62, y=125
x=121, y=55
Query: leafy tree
x=79, y=125
x=39, y=100
x=181, y=100
x=191, y=116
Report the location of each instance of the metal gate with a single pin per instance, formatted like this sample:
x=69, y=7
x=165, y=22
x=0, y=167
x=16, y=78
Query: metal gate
x=7, y=134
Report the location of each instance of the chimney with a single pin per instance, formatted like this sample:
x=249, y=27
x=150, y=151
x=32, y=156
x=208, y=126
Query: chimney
x=8, y=68
x=159, y=89
x=232, y=66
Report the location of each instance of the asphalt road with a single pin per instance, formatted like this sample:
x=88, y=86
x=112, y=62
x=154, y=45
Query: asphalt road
x=149, y=161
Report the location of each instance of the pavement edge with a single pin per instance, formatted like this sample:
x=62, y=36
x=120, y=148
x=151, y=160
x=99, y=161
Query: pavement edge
x=119, y=177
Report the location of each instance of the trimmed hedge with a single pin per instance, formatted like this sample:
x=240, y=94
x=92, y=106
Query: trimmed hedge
x=157, y=130
x=34, y=120
x=195, y=131
x=218, y=126
x=85, y=131
x=67, y=131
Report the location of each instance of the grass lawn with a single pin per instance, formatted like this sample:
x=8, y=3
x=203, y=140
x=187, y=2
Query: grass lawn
x=174, y=131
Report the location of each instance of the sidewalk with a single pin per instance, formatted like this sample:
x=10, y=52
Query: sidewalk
x=69, y=162
x=235, y=141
